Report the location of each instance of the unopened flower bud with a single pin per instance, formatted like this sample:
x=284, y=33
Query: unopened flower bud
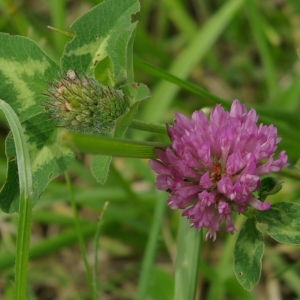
x=83, y=104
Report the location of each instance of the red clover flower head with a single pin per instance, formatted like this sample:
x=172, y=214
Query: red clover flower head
x=214, y=165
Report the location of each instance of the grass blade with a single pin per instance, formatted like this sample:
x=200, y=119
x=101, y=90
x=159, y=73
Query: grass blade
x=187, y=261
x=256, y=23
x=25, y=204
x=186, y=61
x=148, y=260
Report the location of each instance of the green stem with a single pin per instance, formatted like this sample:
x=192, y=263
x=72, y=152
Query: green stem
x=80, y=237
x=187, y=261
x=146, y=126
x=292, y=173
x=25, y=204
x=147, y=265
x=97, y=144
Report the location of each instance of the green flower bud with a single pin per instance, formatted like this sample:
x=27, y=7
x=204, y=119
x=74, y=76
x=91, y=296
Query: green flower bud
x=81, y=103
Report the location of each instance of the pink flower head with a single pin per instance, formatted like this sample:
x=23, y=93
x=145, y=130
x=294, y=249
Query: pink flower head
x=215, y=164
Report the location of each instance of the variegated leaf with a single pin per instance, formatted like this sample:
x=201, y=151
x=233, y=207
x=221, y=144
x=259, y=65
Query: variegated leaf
x=248, y=252
x=24, y=72
x=104, y=31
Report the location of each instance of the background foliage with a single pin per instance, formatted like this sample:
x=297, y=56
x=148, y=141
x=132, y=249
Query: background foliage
x=244, y=50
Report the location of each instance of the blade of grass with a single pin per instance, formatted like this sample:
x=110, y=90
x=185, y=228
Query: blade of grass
x=187, y=261
x=186, y=61
x=274, y=114
x=180, y=17
x=188, y=86
x=147, y=264
x=266, y=115
x=256, y=24
x=162, y=24
x=25, y=204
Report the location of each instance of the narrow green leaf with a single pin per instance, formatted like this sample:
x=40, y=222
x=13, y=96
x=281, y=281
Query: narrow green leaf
x=187, y=261
x=184, y=84
x=283, y=220
x=267, y=115
x=273, y=113
x=153, y=238
x=25, y=203
x=256, y=23
x=248, y=253
x=189, y=58
x=179, y=14
x=97, y=144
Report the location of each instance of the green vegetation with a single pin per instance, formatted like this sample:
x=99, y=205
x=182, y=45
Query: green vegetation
x=191, y=55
